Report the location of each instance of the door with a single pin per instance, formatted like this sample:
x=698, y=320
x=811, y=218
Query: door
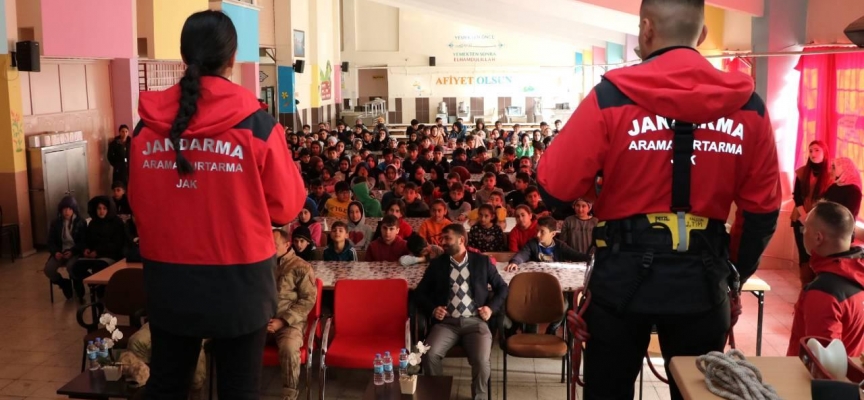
x=372, y=83
x=76, y=171
x=268, y=93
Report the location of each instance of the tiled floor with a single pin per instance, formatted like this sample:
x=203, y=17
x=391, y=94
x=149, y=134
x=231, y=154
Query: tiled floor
x=40, y=343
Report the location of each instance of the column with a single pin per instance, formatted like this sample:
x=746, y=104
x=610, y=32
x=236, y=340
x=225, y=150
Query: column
x=782, y=25
x=284, y=59
x=124, y=91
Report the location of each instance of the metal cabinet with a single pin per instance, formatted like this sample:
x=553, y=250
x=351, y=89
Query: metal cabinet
x=55, y=172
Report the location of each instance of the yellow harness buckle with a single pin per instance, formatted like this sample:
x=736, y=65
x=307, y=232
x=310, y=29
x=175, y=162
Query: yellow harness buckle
x=677, y=222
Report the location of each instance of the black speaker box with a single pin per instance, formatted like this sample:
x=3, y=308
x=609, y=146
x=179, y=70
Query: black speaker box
x=27, y=55
x=855, y=32
x=345, y=66
x=299, y=66
x=431, y=61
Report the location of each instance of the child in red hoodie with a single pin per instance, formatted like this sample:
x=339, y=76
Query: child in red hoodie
x=525, y=229
x=832, y=306
x=389, y=247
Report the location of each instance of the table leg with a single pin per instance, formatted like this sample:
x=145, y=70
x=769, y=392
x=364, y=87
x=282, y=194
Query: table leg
x=760, y=295
x=93, y=310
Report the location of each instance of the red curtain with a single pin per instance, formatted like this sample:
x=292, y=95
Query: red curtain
x=831, y=105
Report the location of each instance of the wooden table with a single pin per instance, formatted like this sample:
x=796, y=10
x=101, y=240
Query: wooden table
x=787, y=375
x=571, y=276
x=92, y=385
x=428, y=388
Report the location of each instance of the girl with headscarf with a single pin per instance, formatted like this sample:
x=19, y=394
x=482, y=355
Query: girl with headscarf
x=811, y=182
x=306, y=219
x=846, y=189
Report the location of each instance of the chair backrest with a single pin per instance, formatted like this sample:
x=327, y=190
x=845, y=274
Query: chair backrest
x=125, y=293
x=370, y=307
x=315, y=312
x=535, y=298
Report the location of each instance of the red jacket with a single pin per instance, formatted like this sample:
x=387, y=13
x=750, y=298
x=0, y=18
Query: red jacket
x=206, y=238
x=832, y=306
x=380, y=251
x=621, y=130
x=518, y=237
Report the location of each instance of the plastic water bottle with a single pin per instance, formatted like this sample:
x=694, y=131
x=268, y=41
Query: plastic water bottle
x=92, y=354
x=388, y=367
x=378, y=370
x=103, y=350
x=403, y=363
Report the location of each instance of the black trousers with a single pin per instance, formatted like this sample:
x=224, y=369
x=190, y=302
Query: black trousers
x=613, y=355
x=238, y=365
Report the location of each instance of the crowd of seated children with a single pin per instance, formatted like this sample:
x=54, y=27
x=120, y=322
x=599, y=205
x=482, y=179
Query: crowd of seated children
x=318, y=194
x=486, y=235
x=361, y=194
x=337, y=207
x=339, y=247
x=415, y=207
x=457, y=206
x=301, y=243
x=578, y=229
x=306, y=218
x=397, y=209
x=105, y=241
x=397, y=191
x=390, y=246
x=66, y=240
x=118, y=190
x=359, y=233
x=431, y=228
x=533, y=201
x=297, y=294
x=525, y=229
x=517, y=196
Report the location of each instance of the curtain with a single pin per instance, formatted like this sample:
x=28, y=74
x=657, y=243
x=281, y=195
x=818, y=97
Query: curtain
x=831, y=105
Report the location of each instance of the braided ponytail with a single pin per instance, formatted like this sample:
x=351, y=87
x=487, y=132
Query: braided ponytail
x=190, y=90
x=208, y=43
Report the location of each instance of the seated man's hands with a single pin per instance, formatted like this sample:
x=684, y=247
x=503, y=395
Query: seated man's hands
x=275, y=325
x=511, y=267
x=485, y=313
x=439, y=312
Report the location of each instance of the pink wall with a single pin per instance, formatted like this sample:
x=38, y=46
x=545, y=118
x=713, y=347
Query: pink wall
x=249, y=77
x=826, y=20
x=88, y=28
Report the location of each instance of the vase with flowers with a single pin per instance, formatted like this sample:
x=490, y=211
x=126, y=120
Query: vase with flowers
x=410, y=367
x=112, y=370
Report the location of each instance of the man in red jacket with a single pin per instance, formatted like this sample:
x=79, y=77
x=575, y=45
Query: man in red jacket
x=832, y=306
x=654, y=130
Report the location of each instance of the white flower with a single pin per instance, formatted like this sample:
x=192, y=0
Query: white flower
x=108, y=343
x=117, y=335
x=111, y=327
x=422, y=348
x=113, y=321
x=105, y=319
x=414, y=359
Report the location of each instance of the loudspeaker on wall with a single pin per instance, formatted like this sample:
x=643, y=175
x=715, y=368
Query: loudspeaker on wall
x=299, y=66
x=431, y=61
x=345, y=66
x=855, y=32
x=27, y=55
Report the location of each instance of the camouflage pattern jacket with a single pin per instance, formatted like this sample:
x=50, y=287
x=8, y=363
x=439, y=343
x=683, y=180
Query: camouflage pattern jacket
x=295, y=282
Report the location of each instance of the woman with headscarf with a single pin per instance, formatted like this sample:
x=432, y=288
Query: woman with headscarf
x=846, y=189
x=811, y=182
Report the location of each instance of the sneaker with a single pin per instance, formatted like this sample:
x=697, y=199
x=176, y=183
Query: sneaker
x=66, y=286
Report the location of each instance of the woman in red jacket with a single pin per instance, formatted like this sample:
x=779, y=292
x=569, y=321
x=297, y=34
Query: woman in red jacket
x=210, y=174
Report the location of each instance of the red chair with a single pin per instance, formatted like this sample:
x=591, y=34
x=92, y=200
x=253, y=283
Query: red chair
x=313, y=330
x=371, y=316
